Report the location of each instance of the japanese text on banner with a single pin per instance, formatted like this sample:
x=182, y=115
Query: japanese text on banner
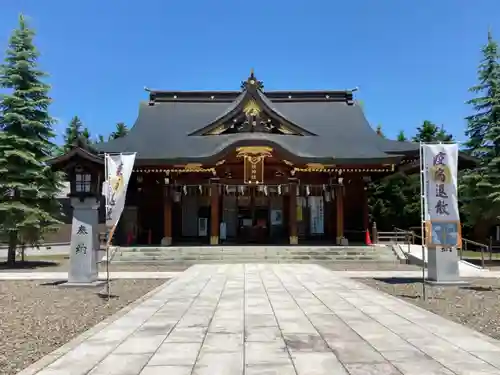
x=441, y=201
x=119, y=169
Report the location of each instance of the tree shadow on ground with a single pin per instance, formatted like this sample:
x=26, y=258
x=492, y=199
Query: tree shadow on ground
x=399, y=280
x=28, y=265
x=53, y=283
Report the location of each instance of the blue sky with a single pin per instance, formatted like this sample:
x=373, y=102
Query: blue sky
x=412, y=60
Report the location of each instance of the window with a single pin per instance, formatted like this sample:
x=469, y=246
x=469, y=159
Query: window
x=83, y=183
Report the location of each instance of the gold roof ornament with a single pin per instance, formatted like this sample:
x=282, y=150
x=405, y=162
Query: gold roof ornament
x=254, y=151
x=251, y=108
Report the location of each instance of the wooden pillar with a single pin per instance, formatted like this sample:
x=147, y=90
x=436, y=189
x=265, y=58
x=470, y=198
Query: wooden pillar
x=214, y=212
x=339, y=199
x=167, y=217
x=294, y=238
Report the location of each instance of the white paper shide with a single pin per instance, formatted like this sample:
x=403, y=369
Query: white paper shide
x=118, y=171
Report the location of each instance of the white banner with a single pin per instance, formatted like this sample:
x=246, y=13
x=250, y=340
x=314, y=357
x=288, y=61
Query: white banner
x=118, y=170
x=440, y=170
x=317, y=209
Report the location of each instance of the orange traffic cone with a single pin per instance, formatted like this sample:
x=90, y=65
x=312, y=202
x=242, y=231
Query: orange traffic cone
x=368, y=240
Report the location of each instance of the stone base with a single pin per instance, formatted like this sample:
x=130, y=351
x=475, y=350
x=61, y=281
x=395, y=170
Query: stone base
x=447, y=283
x=214, y=240
x=93, y=284
x=166, y=241
x=294, y=240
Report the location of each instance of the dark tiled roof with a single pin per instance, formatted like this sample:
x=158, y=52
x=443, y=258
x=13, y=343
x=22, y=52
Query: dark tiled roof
x=161, y=131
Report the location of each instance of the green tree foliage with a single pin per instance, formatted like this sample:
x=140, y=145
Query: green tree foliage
x=120, y=131
x=27, y=184
x=74, y=131
x=395, y=200
x=401, y=136
x=480, y=187
x=429, y=132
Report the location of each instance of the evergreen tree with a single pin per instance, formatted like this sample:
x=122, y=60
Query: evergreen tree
x=401, y=136
x=99, y=139
x=27, y=184
x=480, y=188
x=74, y=131
x=429, y=132
x=120, y=131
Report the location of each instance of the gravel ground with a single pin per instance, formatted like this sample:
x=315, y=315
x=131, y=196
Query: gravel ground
x=476, y=305
x=36, y=319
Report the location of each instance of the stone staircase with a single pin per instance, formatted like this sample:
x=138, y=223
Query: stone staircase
x=253, y=254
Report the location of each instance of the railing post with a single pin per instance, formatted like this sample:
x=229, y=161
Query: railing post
x=491, y=248
x=482, y=256
x=374, y=233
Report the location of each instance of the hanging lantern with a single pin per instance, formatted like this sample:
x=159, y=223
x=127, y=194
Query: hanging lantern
x=185, y=190
x=308, y=190
x=265, y=190
x=200, y=189
x=279, y=189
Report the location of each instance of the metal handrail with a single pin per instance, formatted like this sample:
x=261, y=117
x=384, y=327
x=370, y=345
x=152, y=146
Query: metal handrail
x=461, y=249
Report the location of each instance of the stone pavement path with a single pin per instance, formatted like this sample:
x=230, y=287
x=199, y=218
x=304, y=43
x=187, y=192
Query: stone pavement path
x=276, y=319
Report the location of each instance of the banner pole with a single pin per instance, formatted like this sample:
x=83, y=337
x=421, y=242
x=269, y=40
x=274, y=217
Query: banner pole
x=108, y=288
x=422, y=216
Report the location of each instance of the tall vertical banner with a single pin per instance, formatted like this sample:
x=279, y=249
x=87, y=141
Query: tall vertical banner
x=118, y=171
x=316, y=207
x=441, y=194
x=440, y=214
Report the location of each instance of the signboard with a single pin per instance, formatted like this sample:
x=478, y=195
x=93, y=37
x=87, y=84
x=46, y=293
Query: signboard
x=441, y=189
x=253, y=169
x=253, y=162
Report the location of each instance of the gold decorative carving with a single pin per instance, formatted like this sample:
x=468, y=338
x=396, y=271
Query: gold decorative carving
x=214, y=240
x=251, y=108
x=193, y=166
x=285, y=130
x=218, y=130
x=254, y=150
x=294, y=240
x=315, y=165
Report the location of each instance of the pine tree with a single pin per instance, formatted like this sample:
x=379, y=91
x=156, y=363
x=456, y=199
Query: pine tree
x=480, y=188
x=120, y=131
x=429, y=132
x=74, y=131
x=401, y=136
x=28, y=206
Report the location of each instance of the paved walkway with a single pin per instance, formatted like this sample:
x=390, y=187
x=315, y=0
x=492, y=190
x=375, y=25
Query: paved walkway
x=275, y=319
x=33, y=275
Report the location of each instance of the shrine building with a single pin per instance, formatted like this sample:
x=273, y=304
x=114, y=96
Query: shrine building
x=249, y=166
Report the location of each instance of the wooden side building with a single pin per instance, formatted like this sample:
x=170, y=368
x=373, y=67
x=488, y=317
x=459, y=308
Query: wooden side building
x=249, y=166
